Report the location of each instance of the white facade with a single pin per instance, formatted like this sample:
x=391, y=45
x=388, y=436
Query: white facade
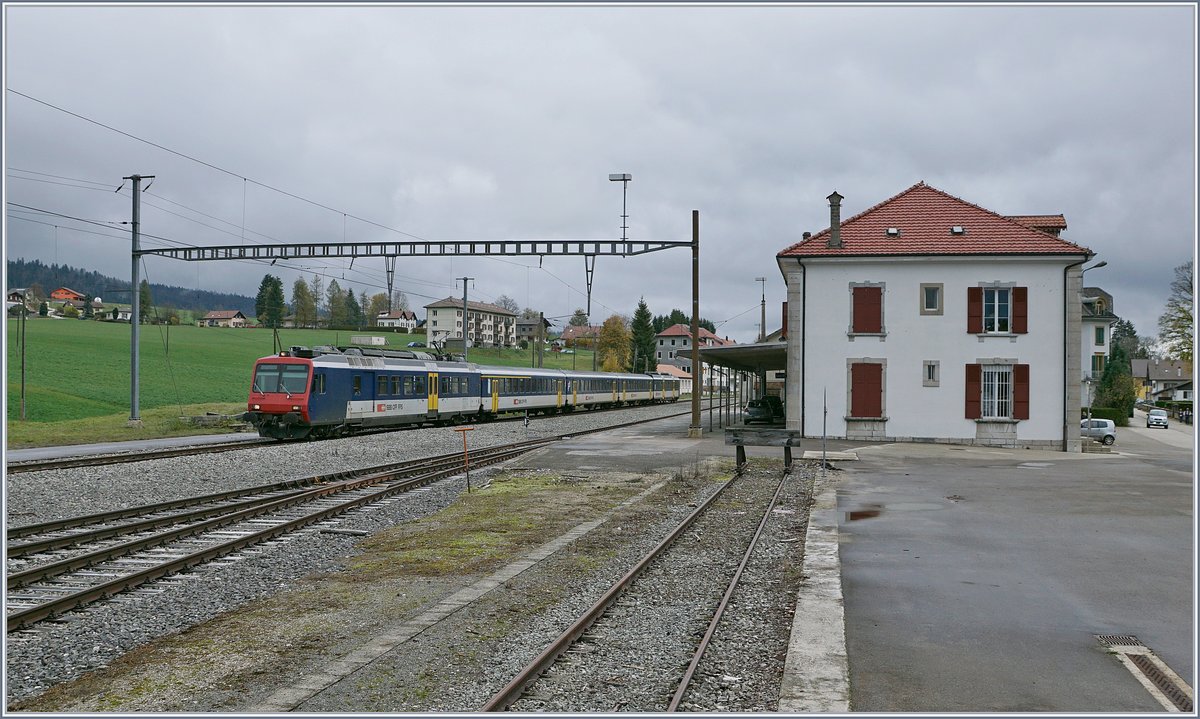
x=924, y=352
x=484, y=329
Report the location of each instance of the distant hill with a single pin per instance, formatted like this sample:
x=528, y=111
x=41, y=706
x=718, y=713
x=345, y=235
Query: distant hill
x=23, y=273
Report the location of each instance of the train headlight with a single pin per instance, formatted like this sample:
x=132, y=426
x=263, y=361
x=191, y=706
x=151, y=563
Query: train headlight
x=295, y=408
x=257, y=407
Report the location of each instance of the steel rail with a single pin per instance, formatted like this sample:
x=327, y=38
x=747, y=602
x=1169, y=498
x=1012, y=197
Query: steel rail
x=514, y=689
x=99, y=460
x=102, y=460
x=25, y=617
x=251, y=508
x=720, y=612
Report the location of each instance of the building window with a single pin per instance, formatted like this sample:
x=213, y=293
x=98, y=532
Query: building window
x=997, y=390
x=997, y=309
x=866, y=308
x=1098, y=364
x=1099, y=336
x=931, y=372
x=931, y=299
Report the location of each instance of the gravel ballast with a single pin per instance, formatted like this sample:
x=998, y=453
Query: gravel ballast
x=419, y=678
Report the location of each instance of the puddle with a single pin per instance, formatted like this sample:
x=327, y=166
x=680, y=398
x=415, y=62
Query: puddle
x=870, y=512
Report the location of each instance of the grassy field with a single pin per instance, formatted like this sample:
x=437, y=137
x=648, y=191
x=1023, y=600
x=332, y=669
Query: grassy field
x=77, y=376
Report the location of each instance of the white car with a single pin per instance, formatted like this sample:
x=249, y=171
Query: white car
x=1104, y=430
x=1157, y=418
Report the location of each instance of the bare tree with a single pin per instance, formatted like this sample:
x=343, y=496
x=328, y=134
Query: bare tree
x=1175, y=323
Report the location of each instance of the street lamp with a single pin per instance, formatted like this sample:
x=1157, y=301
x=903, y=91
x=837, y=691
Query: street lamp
x=762, y=328
x=623, y=178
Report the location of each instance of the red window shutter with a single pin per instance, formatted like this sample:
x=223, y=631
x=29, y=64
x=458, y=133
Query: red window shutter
x=866, y=390
x=868, y=309
x=1020, y=310
x=974, y=391
x=974, y=310
x=1021, y=391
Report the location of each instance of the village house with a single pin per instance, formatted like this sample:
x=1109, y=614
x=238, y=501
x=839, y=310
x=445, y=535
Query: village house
x=929, y=318
x=222, y=318
x=674, y=346
x=397, y=319
x=1158, y=378
x=67, y=294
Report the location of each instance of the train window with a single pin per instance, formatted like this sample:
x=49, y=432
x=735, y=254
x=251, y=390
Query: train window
x=357, y=385
x=381, y=385
x=318, y=384
x=397, y=384
x=419, y=383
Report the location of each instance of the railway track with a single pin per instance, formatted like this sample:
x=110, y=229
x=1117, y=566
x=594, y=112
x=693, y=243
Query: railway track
x=614, y=657
x=63, y=565
x=67, y=571
x=191, y=450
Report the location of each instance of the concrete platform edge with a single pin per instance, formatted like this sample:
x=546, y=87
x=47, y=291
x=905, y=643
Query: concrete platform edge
x=816, y=674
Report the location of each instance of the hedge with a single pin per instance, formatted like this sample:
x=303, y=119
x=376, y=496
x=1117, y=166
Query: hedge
x=1119, y=418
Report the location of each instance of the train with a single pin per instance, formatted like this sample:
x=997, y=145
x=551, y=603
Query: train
x=321, y=392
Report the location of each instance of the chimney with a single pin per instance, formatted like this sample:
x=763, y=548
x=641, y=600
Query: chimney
x=835, y=220
x=807, y=235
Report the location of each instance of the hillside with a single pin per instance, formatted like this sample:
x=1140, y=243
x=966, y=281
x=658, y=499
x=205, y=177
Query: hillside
x=24, y=273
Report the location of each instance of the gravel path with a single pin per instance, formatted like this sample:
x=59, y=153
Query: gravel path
x=92, y=638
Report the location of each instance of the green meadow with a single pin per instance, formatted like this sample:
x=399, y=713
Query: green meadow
x=77, y=376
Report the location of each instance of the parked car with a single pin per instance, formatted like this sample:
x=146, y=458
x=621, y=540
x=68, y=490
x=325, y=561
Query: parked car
x=1104, y=430
x=776, y=405
x=759, y=410
x=416, y=344
x=1156, y=418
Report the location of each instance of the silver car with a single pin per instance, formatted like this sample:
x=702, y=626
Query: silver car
x=1157, y=418
x=1104, y=430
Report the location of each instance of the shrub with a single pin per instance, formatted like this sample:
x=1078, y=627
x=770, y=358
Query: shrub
x=1119, y=418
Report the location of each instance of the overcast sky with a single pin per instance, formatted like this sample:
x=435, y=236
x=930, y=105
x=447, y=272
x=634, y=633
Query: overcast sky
x=471, y=123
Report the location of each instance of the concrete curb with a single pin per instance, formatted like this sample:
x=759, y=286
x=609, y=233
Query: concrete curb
x=816, y=674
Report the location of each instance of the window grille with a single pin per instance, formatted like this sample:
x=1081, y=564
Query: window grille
x=997, y=391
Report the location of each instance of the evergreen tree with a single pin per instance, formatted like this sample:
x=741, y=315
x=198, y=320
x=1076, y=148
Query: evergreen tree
x=1175, y=323
x=354, y=312
x=642, y=339
x=1117, y=388
x=1126, y=336
x=335, y=301
x=364, y=315
x=276, y=305
x=44, y=310
x=579, y=319
x=304, y=307
x=144, y=300
x=317, y=288
x=116, y=311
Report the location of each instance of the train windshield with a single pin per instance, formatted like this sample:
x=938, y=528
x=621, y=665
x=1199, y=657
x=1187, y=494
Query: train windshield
x=286, y=378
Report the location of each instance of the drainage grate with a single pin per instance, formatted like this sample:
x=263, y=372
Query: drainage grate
x=1164, y=683
x=1120, y=640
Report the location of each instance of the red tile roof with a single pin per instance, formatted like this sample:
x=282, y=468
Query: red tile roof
x=682, y=330
x=223, y=315
x=1041, y=222
x=924, y=216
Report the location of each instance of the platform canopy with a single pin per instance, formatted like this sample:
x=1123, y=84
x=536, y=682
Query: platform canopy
x=762, y=357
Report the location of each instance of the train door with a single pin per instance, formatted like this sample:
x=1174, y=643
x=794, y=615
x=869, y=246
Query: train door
x=495, y=394
x=558, y=384
x=432, y=406
x=615, y=390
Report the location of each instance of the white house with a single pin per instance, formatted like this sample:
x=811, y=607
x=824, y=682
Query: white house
x=928, y=318
x=486, y=325
x=674, y=346
x=400, y=319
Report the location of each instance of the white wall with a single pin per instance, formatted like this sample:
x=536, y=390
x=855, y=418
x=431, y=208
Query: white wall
x=913, y=410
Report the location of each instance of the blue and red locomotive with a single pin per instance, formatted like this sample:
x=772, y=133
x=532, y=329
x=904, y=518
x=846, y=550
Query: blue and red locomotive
x=327, y=391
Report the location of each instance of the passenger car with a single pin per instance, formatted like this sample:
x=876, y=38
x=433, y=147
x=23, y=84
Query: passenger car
x=416, y=344
x=758, y=410
x=1104, y=430
x=1156, y=418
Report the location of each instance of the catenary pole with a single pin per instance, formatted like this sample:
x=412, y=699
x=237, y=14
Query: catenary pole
x=135, y=320
x=466, y=317
x=697, y=376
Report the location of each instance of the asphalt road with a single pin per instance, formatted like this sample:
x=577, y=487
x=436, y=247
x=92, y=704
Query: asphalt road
x=975, y=580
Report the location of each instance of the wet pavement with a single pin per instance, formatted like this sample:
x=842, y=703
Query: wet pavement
x=976, y=579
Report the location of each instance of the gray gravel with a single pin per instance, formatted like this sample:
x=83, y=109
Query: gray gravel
x=91, y=638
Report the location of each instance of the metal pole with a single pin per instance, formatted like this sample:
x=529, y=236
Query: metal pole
x=135, y=318
x=762, y=333
x=697, y=375
x=464, y=327
x=24, y=318
x=824, y=414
